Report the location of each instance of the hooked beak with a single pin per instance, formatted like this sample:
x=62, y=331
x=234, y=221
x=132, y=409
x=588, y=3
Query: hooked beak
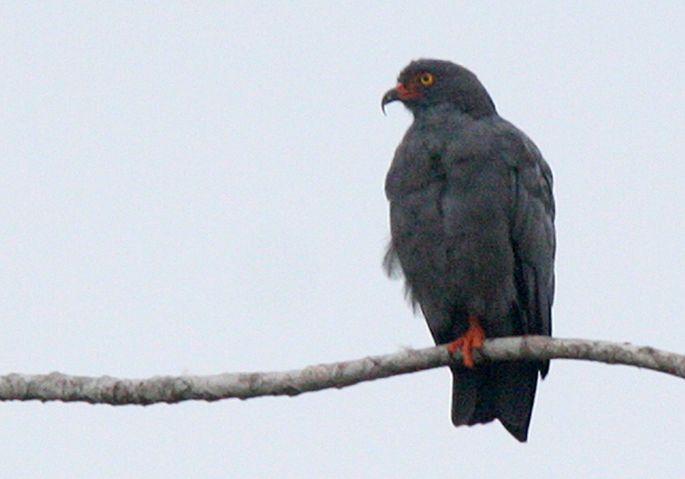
x=400, y=92
x=391, y=96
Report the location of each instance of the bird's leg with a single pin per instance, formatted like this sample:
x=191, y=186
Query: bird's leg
x=472, y=338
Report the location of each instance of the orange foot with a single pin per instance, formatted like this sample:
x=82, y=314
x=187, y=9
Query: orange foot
x=472, y=338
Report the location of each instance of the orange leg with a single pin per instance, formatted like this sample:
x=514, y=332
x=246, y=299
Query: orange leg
x=472, y=338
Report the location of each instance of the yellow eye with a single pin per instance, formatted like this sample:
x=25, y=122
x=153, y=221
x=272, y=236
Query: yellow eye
x=426, y=79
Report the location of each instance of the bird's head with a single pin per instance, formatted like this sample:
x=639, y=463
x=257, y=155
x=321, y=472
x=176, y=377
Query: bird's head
x=427, y=83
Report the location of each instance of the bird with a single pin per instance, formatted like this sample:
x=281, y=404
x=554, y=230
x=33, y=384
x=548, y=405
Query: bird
x=472, y=233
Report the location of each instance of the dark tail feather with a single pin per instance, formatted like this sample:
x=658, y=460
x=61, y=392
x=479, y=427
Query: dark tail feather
x=503, y=391
x=469, y=405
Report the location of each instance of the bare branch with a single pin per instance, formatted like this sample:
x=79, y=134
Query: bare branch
x=172, y=389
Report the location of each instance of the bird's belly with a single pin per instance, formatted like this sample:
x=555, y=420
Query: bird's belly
x=480, y=273
x=455, y=252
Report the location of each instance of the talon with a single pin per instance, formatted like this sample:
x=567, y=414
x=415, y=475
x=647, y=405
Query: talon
x=472, y=338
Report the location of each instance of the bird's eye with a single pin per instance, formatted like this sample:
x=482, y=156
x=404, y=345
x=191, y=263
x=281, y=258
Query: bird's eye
x=426, y=79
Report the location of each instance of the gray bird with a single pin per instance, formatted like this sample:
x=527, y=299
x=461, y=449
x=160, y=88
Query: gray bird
x=472, y=223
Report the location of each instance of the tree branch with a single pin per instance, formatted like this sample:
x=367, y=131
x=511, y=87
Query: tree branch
x=172, y=389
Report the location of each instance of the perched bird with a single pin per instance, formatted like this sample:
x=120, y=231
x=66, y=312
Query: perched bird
x=472, y=223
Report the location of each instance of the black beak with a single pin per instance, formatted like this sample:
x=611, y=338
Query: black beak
x=391, y=96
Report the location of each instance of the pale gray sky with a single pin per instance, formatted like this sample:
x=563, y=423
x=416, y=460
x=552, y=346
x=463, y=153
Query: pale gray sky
x=199, y=188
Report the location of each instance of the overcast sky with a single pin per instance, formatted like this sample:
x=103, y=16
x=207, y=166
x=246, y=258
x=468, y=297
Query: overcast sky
x=198, y=188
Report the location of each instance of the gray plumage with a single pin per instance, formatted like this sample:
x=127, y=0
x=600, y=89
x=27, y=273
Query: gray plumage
x=472, y=223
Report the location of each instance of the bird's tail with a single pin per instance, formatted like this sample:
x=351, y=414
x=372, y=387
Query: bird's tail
x=503, y=390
